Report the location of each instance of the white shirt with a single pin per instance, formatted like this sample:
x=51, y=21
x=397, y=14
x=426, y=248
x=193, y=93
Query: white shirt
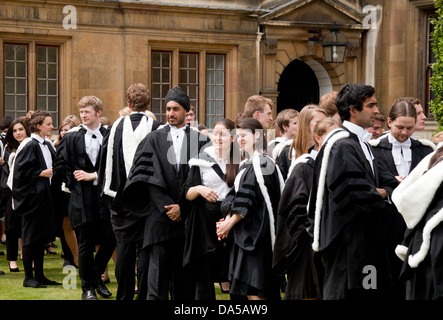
x=177, y=135
x=402, y=155
x=363, y=137
x=211, y=179
x=44, y=148
x=93, y=141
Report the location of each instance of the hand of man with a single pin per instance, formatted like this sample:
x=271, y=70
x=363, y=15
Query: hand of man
x=173, y=212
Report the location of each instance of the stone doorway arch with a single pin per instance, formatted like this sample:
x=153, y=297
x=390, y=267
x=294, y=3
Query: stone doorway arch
x=302, y=83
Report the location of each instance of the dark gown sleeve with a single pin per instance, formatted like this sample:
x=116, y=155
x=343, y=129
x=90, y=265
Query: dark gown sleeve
x=62, y=167
x=198, y=241
x=25, y=187
x=292, y=219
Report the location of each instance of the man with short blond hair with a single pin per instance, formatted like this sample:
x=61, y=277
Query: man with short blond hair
x=77, y=163
x=260, y=108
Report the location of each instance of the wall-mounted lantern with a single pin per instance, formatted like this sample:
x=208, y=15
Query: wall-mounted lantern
x=334, y=45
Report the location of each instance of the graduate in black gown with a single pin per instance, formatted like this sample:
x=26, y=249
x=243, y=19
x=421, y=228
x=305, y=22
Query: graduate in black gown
x=152, y=189
x=251, y=207
x=293, y=254
x=210, y=179
x=17, y=132
x=346, y=207
x=118, y=149
x=30, y=183
x=77, y=163
x=399, y=154
x=419, y=199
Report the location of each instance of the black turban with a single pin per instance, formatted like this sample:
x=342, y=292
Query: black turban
x=176, y=94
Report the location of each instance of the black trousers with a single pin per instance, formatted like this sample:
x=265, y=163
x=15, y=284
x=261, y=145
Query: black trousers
x=166, y=277
x=130, y=256
x=91, y=266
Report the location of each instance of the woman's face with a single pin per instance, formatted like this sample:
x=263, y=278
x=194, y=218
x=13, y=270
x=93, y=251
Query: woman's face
x=246, y=140
x=19, y=132
x=221, y=138
x=45, y=129
x=64, y=129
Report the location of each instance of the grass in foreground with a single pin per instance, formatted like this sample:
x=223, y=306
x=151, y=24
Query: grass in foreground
x=11, y=284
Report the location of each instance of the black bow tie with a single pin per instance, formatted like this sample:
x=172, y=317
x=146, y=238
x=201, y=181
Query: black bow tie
x=94, y=136
x=44, y=143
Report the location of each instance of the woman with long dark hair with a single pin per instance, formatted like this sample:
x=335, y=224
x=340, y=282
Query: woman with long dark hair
x=210, y=179
x=30, y=182
x=251, y=206
x=17, y=132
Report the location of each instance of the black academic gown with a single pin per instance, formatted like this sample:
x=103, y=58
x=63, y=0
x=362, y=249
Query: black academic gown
x=250, y=265
x=204, y=255
x=127, y=226
x=293, y=254
x=284, y=161
x=32, y=195
x=154, y=182
x=394, y=225
x=85, y=203
x=350, y=228
x=420, y=201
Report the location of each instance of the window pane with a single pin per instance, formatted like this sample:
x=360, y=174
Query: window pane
x=52, y=88
x=41, y=54
x=219, y=62
x=9, y=52
x=41, y=87
x=20, y=69
x=9, y=86
x=165, y=75
x=155, y=59
x=219, y=77
x=20, y=53
x=52, y=54
x=52, y=104
x=52, y=71
x=41, y=71
x=9, y=69
x=20, y=86
x=41, y=102
x=21, y=103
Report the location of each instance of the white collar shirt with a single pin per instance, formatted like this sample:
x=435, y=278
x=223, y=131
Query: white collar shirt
x=363, y=137
x=402, y=155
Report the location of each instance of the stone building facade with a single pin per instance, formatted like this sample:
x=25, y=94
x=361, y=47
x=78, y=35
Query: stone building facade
x=54, y=52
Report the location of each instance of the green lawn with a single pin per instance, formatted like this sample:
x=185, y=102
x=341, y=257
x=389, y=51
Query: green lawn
x=11, y=287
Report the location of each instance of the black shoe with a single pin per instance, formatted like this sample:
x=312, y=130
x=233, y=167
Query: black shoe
x=48, y=282
x=13, y=269
x=89, y=295
x=102, y=290
x=32, y=283
x=2, y=273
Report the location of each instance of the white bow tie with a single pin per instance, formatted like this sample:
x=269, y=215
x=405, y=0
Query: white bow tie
x=401, y=150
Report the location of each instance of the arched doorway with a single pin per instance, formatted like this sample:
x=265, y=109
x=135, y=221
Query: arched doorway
x=297, y=87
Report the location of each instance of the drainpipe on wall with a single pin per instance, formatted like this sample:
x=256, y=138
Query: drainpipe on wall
x=372, y=22
x=258, y=56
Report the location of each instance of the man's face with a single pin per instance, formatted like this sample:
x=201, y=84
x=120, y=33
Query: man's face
x=175, y=114
x=366, y=117
x=420, y=125
x=90, y=117
x=376, y=129
x=265, y=117
x=402, y=127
